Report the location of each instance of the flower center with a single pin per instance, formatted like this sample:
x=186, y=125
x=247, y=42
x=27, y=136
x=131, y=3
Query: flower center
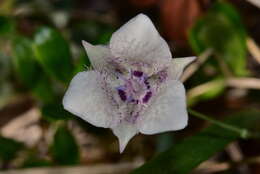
x=135, y=89
x=134, y=92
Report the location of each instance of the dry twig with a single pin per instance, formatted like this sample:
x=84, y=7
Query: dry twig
x=123, y=168
x=195, y=66
x=244, y=83
x=236, y=155
x=253, y=49
x=24, y=128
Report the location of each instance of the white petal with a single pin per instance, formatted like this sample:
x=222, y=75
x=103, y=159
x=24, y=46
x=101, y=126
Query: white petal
x=255, y=2
x=98, y=54
x=167, y=112
x=177, y=66
x=139, y=40
x=86, y=99
x=124, y=132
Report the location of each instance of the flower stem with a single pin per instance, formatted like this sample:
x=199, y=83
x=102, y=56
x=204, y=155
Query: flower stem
x=244, y=133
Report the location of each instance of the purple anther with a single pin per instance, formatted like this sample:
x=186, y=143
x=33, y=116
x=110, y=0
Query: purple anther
x=122, y=94
x=147, y=84
x=134, y=101
x=138, y=73
x=147, y=97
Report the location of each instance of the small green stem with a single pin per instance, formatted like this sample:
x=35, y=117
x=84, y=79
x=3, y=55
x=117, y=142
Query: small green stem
x=244, y=133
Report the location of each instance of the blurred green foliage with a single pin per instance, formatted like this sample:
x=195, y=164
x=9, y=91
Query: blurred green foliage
x=9, y=148
x=53, y=53
x=83, y=63
x=64, y=149
x=26, y=66
x=222, y=30
x=6, y=90
x=43, y=90
x=33, y=160
x=92, y=31
x=6, y=26
x=192, y=151
x=4, y=67
x=55, y=112
x=29, y=71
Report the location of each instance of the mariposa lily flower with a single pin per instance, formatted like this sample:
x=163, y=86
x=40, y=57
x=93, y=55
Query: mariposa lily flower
x=134, y=86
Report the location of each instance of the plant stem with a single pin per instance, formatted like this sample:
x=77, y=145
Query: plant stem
x=244, y=133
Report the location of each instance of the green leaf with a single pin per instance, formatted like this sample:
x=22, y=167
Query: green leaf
x=4, y=66
x=9, y=148
x=105, y=36
x=83, y=62
x=26, y=67
x=6, y=93
x=92, y=31
x=189, y=153
x=222, y=30
x=6, y=88
x=43, y=90
x=55, y=112
x=36, y=162
x=86, y=30
x=63, y=5
x=6, y=26
x=53, y=53
x=64, y=149
x=29, y=71
x=164, y=141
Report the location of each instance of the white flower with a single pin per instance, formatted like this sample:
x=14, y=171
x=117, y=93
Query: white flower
x=134, y=86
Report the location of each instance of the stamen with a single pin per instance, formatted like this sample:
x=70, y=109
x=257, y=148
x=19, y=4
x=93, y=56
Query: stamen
x=147, y=84
x=135, y=91
x=122, y=94
x=138, y=73
x=147, y=97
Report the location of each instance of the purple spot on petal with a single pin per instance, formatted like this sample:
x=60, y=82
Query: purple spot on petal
x=135, y=117
x=162, y=76
x=120, y=88
x=138, y=73
x=130, y=99
x=132, y=117
x=122, y=94
x=147, y=97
